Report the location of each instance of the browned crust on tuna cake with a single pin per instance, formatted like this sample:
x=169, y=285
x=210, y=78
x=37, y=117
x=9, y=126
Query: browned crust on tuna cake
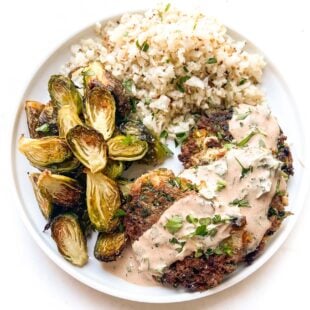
x=284, y=155
x=212, y=124
x=151, y=195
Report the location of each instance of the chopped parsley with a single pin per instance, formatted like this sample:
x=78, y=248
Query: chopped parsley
x=242, y=81
x=220, y=185
x=241, y=203
x=120, y=213
x=128, y=140
x=128, y=84
x=243, y=116
x=180, y=137
x=244, y=171
x=164, y=134
x=167, y=7
x=180, y=83
x=144, y=47
x=174, y=224
x=43, y=128
x=211, y=60
x=176, y=182
x=178, y=242
x=133, y=102
x=246, y=139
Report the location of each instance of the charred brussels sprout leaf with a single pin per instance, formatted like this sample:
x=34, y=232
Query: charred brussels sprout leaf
x=109, y=246
x=103, y=200
x=71, y=243
x=100, y=111
x=69, y=166
x=127, y=148
x=33, y=110
x=113, y=169
x=88, y=146
x=95, y=74
x=63, y=92
x=45, y=204
x=45, y=151
x=60, y=190
x=67, y=119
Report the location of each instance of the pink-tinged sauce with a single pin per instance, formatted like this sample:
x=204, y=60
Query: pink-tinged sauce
x=126, y=267
x=247, y=118
x=154, y=250
x=257, y=187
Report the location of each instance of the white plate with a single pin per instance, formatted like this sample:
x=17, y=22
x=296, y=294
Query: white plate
x=93, y=275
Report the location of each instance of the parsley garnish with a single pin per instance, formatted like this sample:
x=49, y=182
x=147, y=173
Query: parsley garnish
x=246, y=139
x=164, y=134
x=143, y=47
x=220, y=185
x=211, y=60
x=174, y=224
x=244, y=171
x=180, y=138
x=120, y=213
x=241, y=117
x=180, y=83
x=241, y=203
x=128, y=84
x=242, y=81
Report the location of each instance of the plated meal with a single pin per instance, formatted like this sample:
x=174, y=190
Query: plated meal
x=152, y=87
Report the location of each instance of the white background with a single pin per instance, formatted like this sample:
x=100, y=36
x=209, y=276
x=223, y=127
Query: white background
x=30, y=30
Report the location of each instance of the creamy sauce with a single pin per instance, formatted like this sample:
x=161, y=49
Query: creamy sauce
x=251, y=192
x=126, y=267
x=155, y=249
x=247, y=119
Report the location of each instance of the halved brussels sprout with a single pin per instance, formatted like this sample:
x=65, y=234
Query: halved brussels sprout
x=109, y=246
x=63, y=92
x=137, y=129
x=33, y=110
x=88, y=146
x=45, y=204
x=103, y=200
x=95, y=74
x=71, y=243
x=127, y=148
x=45, y=151
x=67, y=167
x=157, y=151
x=113, y=169
x=60, y=190
x=47, y=122
x=67, y=119
x=99, y=110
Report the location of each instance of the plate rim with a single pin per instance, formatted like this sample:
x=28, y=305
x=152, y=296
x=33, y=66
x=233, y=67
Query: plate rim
x=173, y=298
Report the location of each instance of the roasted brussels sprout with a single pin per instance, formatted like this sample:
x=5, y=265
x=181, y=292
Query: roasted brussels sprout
x=71, y=243
x=95, y=74
x=127, y=148
x=100, y=110
x=137, y=129
x=103, y=200
x=88, y=146
x=109, y=246
x=45, y=151
x=157, y=151
x=45, y=204
x=63, y=92
x=67, y=119
x=60, y=190
x=33, y=110
x=113, y=169
x=47, y=122
x=67, y=167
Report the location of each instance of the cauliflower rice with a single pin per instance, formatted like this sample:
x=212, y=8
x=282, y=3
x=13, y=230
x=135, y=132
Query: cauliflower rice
x=175, y=64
